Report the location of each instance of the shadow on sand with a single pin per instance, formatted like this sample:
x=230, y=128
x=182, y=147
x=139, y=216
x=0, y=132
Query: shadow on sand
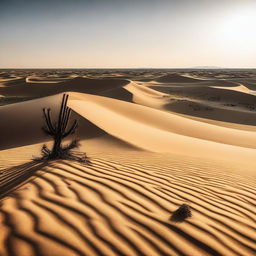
x=13, y=177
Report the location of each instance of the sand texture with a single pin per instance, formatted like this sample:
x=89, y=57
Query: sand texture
x=156, y=140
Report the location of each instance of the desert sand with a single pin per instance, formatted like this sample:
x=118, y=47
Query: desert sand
x=155, y=139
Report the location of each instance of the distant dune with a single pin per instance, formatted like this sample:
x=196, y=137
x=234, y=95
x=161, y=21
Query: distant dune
x=75, y=84
x=175, y=78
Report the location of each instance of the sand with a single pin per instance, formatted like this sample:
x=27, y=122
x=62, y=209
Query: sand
x=149, y=155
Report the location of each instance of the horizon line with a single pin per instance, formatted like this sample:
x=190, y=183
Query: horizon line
x=70, y=68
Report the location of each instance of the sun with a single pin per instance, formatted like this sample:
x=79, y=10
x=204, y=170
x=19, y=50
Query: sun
x=238, y=27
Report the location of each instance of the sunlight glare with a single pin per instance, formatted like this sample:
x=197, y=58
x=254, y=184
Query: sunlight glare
x=238, y=29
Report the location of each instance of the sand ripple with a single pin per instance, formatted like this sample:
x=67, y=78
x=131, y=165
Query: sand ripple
x=123, y=208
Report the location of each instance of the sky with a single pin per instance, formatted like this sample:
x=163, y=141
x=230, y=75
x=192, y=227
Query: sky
x=127, y=33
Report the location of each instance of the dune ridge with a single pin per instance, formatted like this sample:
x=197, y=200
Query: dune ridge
x=176, y=78
x=77, y=84
x=166, y=132
x=239, y=88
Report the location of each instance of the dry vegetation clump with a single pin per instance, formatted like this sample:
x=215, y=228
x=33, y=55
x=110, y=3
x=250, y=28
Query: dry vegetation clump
x=182, y=213
x=59, y=131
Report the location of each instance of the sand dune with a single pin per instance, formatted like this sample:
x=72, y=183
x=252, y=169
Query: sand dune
x=238, y=88
x=210, y=93
x=134, y=114
x=120, y=93
x=211, y=112
x=146, y=96
x=153, y=146
x=12, y=82
x=175, y=78
x=168, y=133
x=194, y=84
x=221, y=104
x=22, y=122
x=134, y=124
x=227, y=110
x=36, y=79
x=76, y=84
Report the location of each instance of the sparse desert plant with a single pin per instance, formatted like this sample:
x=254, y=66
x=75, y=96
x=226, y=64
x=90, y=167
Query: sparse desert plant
x=59, y=131
x=182, y=213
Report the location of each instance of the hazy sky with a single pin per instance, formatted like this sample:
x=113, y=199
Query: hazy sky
x=127, y=33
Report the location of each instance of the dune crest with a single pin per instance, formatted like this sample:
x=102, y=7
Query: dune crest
x=238, y=88
x=136, y=124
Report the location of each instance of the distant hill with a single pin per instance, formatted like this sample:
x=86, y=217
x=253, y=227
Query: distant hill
x=207, y=67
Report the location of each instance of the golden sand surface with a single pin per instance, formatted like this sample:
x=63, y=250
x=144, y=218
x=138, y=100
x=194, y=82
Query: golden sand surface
x=155, y=139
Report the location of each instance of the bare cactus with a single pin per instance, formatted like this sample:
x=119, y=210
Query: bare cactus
x=59, y=131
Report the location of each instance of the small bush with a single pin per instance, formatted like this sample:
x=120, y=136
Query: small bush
x=182, y=213
x=58, y=131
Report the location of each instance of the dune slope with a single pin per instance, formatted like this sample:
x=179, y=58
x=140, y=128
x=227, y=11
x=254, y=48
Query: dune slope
x=134, y=124
x=168, y=133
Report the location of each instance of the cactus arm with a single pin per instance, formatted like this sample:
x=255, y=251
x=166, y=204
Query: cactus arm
x=62, y=109
x=47, y=117
x=61, y=112
x=50, y=121
x=66, y=119
x=46, y=130
x=71, y=130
